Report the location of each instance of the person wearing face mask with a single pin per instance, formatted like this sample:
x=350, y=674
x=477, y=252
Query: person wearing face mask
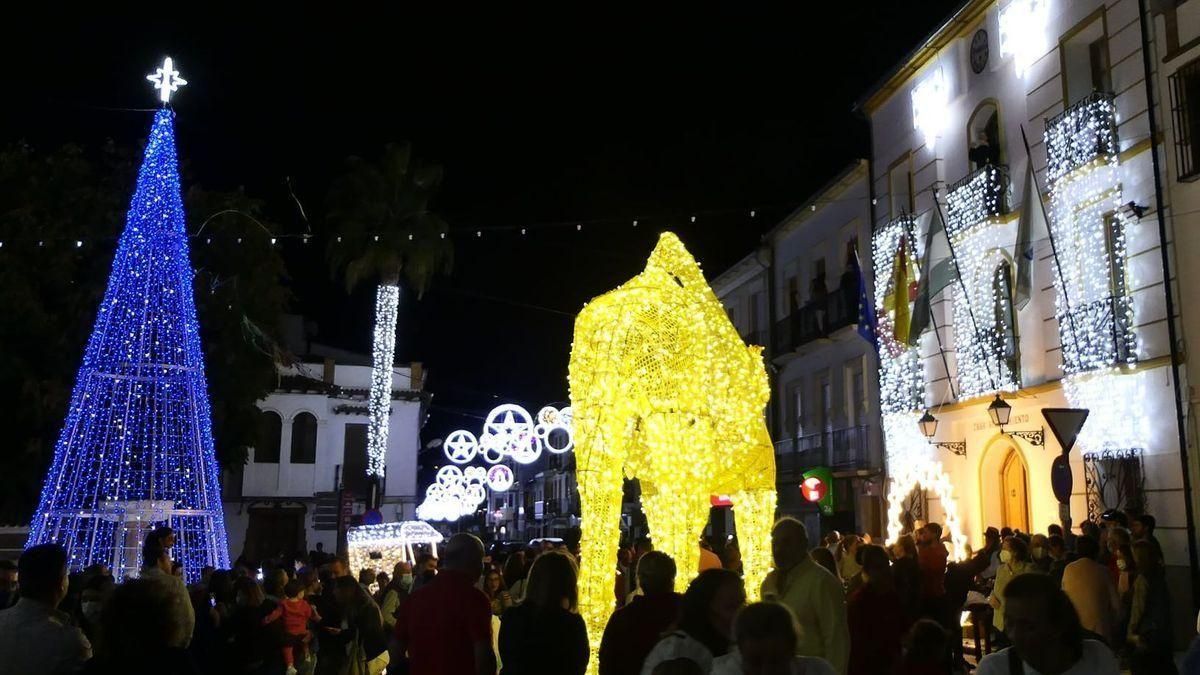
x=424, y=571
x=1014, y=561
x=1039, y=553
x=98, y=588
x=35, y=637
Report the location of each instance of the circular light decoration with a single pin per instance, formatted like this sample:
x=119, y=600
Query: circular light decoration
x=509, y=429
x=489, y=450
x=461, y=446
x=449, y=475
x=500, y=478
x=554, y=429
x=454, y=493
x=509, y=432
x=475, y=475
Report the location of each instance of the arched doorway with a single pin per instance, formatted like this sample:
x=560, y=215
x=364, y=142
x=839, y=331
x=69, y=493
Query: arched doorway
x=1004, y=482
x=1014, y=490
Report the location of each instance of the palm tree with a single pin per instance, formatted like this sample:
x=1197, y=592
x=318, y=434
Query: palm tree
x=383, y=231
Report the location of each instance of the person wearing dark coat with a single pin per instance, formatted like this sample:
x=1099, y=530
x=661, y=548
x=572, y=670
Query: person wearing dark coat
x=361, y=614
x=544, y=635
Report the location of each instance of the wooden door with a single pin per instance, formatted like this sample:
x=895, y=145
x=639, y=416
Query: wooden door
x=1014, y=481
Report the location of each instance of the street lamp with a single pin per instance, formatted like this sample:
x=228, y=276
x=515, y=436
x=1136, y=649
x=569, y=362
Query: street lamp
x=1000, y=412
x=928, y=424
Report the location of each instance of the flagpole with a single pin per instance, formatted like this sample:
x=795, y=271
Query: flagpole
x=966, y=296
x=1062, y=280
x=942, y=351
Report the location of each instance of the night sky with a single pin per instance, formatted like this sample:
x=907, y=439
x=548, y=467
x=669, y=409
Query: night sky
x=540, y=121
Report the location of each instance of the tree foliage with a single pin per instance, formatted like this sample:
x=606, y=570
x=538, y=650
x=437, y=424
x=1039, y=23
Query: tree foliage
x=50, y=291
x=382, y=230
x=240, y=298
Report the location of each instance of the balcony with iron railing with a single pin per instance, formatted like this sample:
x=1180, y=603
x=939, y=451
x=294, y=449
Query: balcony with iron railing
x=1098, y=335
x=980, y=197
x=817, y=319
x=848, y=447
x=1080, y=135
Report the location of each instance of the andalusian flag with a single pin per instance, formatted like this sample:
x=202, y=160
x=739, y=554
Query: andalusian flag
x=901, y=292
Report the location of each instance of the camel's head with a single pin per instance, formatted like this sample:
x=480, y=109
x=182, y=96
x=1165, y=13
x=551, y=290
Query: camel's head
x=670, y=258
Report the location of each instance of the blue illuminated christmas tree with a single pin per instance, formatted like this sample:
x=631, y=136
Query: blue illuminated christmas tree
x=136, y=451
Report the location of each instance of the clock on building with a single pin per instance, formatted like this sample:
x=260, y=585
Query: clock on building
x=979, y=51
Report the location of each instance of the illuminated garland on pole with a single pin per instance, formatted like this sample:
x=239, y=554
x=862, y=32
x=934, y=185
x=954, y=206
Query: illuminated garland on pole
x=136, y=450
x=379, y=404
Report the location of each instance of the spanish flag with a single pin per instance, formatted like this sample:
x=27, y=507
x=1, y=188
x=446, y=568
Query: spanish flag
x=901, y=292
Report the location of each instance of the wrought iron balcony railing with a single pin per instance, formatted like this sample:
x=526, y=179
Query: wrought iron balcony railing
x=1098, y=335
x=817, y=319
x=847, y=447
x=1080, y=135
x=976, y=199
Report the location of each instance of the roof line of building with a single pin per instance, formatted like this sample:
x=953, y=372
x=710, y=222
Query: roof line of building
x=965, y=16
x=827, y=192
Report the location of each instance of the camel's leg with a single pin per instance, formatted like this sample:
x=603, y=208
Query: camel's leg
x=754, y=514
x=599, y=477
x=675, y=491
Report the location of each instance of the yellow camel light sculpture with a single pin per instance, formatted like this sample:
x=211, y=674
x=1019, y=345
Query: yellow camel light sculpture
x=665, y=391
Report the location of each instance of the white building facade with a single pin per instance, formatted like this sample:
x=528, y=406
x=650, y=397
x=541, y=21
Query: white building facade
x=798, y=296
x=1092, y=329
x=826, y=386
x=308, y=481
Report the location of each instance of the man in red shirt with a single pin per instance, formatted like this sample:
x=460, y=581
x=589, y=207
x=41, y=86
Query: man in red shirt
x=446, y=625
x=931, y=558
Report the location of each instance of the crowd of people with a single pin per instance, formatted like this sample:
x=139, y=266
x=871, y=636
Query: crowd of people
x=1051, y=603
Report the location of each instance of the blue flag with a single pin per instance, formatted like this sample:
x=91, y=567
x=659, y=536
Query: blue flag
x=866, y=309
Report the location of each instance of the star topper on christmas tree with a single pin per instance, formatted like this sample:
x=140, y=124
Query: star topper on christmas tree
x=166, y=80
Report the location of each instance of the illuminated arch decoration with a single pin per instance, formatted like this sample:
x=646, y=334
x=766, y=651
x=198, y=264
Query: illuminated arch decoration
x=665, y=390
x=901, y=388
x=921, y=473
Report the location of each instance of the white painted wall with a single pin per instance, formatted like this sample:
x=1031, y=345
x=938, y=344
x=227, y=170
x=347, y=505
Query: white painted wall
x=1028, y=101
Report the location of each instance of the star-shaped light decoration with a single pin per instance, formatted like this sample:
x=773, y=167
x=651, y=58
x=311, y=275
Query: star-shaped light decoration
x=166, y=80
x=461, y=446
